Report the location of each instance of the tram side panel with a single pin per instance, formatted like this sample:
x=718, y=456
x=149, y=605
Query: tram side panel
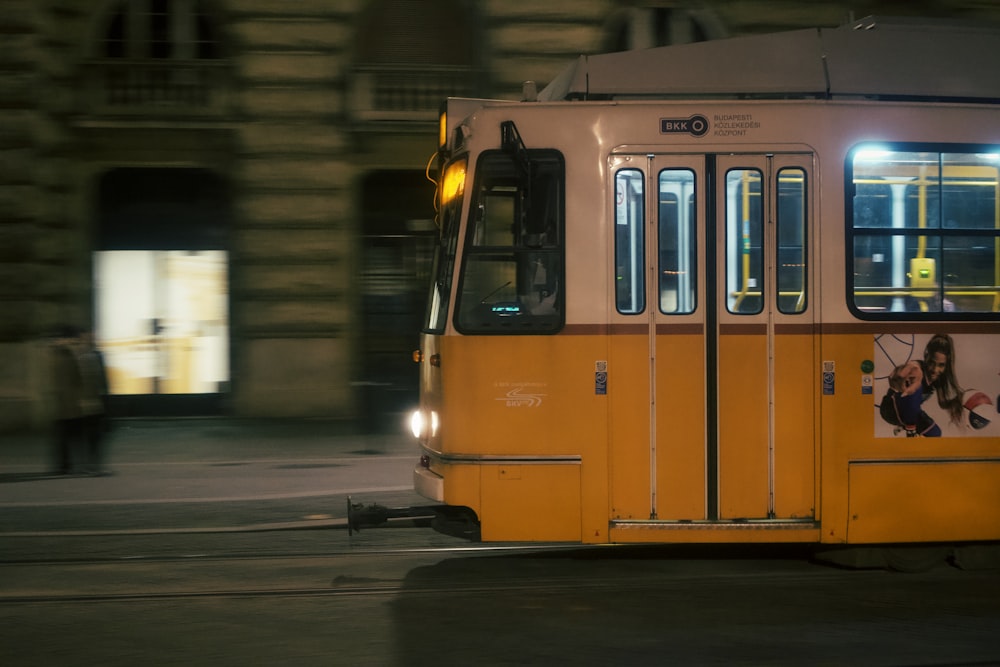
x=795, y=438
x=680, y=461
x=893, y=488
x=524, y=414
x=929, y=477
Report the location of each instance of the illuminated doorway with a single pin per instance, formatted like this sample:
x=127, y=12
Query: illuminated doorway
x=161, y=290
x=161, y=320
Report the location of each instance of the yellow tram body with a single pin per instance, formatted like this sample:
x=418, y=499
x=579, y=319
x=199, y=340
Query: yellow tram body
x=668, y=308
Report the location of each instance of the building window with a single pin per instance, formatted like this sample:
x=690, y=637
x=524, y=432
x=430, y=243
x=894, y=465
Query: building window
x=160, y=57
x=160, y=29
x=641, y=27
x=411, y=55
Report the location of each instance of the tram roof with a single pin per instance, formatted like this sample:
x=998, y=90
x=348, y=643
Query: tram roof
x=870, y=58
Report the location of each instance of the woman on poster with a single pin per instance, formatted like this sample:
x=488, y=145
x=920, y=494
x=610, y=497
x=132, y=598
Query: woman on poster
x=913, y=382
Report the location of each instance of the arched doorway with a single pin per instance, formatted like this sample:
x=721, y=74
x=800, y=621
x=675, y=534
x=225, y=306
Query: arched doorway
x=161, y=289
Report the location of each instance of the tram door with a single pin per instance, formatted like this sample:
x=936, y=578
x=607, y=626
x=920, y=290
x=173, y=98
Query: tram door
x=712, y=305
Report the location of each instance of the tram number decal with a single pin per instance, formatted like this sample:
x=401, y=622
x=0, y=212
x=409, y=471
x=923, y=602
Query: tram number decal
x=696, y=126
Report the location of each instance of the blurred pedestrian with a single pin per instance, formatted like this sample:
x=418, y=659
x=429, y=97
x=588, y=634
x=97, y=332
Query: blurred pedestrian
x=80, y=384
x=66, y=410
x=94, y=401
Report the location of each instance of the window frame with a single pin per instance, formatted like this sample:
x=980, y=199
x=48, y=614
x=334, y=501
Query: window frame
x=937, y=234
x=780, y=224
x=737, y=238
x=440, y=289
x=686, y=255
x=512, y=323
x=633, y=274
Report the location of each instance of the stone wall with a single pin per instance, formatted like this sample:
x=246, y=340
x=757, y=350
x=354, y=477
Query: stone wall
x=294, y=242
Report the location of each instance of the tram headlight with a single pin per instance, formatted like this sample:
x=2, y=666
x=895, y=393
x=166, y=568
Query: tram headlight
x=424, y=425
x=417, y=422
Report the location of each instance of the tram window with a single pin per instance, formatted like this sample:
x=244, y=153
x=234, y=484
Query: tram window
x=744, y=236
x=677, y=241
x=791, y=232
x=926, y=231
x=630, y=245
x=512, y=270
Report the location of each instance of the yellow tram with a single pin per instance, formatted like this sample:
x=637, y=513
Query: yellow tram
x=734, y=291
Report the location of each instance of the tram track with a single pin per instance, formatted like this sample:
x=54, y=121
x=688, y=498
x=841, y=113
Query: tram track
x=526, y=571
x=201, y=576
x=204, y=557
x=336, y=589
x=132, y=576
x=341, y=587
x=196, y=595
x=375, y=603
x=326, y=552
x=78, y=571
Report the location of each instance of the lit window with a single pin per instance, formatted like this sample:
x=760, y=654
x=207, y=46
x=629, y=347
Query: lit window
x=924, y=231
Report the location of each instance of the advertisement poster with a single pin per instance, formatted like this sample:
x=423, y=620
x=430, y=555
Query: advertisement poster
x=936, y=385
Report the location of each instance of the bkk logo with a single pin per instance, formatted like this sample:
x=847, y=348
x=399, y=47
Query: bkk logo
x=696, y=125
x=517, y=398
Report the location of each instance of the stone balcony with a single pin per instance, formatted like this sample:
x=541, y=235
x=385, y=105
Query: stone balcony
x=192, y=89
x=400, y=94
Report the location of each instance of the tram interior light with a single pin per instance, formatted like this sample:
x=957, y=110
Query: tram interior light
x=871, y=155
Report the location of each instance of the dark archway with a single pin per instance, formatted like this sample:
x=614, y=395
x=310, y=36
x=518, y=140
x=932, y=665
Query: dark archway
x=397, y=246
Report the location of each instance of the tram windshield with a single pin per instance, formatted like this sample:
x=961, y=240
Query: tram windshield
x=512, y=267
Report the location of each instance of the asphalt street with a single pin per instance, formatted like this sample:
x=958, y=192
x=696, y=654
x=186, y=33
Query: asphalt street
x=168, y=561
x=207, y=474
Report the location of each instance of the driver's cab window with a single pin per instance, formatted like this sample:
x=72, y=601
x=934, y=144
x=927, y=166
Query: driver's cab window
x=511, y=278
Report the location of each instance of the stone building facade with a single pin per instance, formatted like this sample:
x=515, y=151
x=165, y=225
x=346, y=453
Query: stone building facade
x=231, y=193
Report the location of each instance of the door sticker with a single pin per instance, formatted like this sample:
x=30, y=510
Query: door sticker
x=600, y=378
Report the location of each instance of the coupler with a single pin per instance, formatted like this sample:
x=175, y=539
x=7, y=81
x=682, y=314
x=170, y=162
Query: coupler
x=374, y=515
